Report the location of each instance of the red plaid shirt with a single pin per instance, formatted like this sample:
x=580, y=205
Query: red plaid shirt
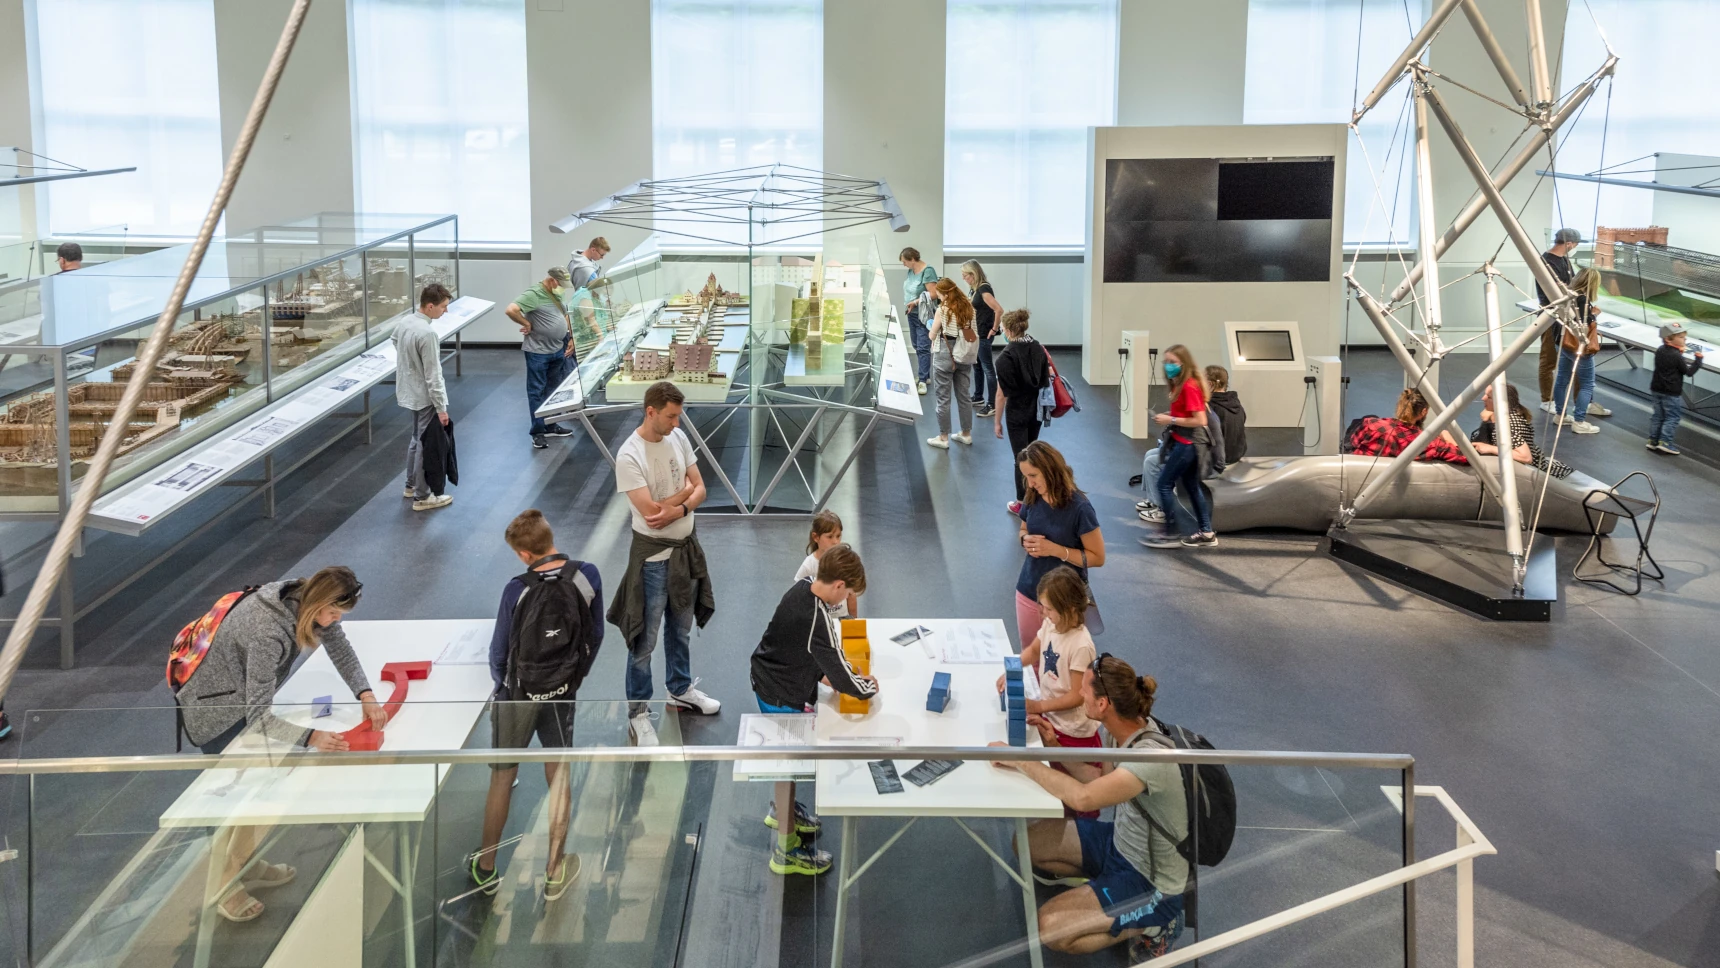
x=1388, y=436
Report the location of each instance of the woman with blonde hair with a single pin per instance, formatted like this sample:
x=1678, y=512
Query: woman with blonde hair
x=1578, y=356
x=955, y=346
x=1185, y=440
x=987, y=320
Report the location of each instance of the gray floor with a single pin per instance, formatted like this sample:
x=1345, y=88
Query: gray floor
x=1586, y=748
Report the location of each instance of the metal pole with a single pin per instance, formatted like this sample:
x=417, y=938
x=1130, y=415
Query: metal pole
x=54, y=566
x=1513, y=512
x=1496, y=53
x=1409, y=933
x=1419, y=379
x=268, y=335
x=1444, y=418
x=1512, y=169
x=1425, y=210
x=1440, y=16
x=63, y=480
x=1538, y=52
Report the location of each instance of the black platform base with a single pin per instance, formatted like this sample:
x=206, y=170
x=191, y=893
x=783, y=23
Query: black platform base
x=1461, y=563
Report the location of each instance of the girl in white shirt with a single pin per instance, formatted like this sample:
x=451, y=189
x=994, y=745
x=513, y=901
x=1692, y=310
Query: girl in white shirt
x=826, y=534
x=1062, y=653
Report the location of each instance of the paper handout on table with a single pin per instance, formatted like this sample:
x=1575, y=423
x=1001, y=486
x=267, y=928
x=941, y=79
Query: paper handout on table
x=974, y=644
x=470, y=647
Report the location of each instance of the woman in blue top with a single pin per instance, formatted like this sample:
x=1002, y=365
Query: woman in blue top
x=1058, y=527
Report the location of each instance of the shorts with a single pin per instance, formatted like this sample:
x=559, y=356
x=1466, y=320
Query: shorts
x=1077, y=742
x=1124, y=892
x=512, y=725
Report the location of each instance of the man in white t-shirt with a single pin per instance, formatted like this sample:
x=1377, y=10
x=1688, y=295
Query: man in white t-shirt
x=666, y=583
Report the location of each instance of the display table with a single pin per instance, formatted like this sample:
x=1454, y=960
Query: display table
x=439, y=714
x=898, y=717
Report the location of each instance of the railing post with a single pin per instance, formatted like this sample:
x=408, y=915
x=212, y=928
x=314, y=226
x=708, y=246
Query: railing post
x=1408, y=859
x=1465, y=904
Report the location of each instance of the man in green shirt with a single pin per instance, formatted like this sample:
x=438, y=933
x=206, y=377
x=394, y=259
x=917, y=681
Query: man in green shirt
x=547, y=333
x=919, y=305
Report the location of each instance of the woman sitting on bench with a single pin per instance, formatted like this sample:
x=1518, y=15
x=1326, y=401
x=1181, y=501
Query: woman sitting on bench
x=1373, y=436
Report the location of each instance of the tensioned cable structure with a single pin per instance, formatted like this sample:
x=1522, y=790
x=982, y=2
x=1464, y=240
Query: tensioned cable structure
x=54, y=566
x=774, y=203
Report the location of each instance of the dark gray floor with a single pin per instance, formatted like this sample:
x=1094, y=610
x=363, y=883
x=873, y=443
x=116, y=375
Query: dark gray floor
x=1586, y=749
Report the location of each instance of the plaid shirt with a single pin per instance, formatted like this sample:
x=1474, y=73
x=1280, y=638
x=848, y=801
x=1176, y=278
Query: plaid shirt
x=1387, y=437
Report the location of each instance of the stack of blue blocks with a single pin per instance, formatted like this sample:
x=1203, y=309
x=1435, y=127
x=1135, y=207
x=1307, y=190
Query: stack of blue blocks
x=939, y=697
x=1014, y=700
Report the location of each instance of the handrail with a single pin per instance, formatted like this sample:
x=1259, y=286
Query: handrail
x=264, y=759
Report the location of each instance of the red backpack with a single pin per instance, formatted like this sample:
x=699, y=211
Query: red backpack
x=1060, y=389
x=193, y=641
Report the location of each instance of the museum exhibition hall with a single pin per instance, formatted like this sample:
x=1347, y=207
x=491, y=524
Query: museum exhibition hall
x=1307, y=409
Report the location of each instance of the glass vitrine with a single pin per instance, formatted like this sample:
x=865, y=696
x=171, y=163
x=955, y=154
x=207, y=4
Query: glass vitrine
x=268, y=311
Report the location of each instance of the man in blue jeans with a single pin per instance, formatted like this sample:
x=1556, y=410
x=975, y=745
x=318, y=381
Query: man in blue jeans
x=666, y=583
x=918, y=303
x=547, y=333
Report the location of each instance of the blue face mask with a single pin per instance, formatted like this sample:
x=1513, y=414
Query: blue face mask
x=1172, y=369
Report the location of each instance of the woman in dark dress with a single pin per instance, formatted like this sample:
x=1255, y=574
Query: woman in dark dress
x=1022, y=371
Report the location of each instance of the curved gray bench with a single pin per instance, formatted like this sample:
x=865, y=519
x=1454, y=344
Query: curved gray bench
x=1301, y=493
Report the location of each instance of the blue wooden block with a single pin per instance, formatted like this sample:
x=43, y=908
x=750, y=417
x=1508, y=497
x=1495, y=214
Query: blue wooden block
x=1012, y=663
x=322, y=706
x=1014, y=687
x=941, y=680
x=1017, y=734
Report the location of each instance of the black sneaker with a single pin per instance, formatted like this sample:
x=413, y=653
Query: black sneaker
x=805, y=822
x=557, y=430
x=1205, y=539
x=1163, y=541
x=487, y=880
x=538, y=443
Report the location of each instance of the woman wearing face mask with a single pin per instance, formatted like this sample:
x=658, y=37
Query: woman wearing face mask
x=233, y=690
x=1186, y=436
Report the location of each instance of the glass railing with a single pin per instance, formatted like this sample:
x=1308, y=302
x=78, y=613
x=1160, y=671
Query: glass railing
x=617, y=855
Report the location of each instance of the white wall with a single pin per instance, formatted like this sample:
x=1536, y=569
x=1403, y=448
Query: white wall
x=499, y=279
x=1194, y=313
x=15, y=112
x=1181, y=62
x=301, y=162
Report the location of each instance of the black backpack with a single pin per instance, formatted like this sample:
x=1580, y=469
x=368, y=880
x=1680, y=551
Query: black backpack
x=1211, y=800
x=551, y=646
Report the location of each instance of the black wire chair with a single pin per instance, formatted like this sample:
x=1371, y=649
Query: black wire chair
x=1596, y=506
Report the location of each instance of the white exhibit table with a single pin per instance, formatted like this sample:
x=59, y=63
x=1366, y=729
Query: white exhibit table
x=898, y=717
x=438, y=714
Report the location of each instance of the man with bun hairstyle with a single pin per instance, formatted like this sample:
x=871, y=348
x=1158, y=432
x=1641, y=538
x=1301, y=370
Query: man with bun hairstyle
x=1135, y=874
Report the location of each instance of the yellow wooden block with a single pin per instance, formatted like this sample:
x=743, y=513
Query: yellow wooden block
x=853, y=628
x=857, y=650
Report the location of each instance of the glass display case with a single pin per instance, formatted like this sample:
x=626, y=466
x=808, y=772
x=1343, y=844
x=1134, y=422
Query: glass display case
x=782, y=332
x=268, y=311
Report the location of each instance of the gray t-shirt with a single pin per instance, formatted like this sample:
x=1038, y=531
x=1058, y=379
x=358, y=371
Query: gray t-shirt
x=1152, y=853
x=549, y=320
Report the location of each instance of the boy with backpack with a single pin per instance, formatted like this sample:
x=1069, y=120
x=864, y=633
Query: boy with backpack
x=548, y=630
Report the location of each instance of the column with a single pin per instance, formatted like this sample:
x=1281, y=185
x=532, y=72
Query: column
x=18, y=211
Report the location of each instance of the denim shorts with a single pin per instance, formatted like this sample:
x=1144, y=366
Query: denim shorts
x=1124, y=892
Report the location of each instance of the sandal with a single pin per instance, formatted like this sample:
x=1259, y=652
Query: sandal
x=251, y=910
x=554, y=888
x=261, y=875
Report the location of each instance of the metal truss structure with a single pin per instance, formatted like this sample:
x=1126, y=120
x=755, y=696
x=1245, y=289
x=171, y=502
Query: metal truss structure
x=1544, y=114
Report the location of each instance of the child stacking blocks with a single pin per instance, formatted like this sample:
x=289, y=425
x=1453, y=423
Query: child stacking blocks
x=1014, y=700
x=858, y=650
x=939, y=697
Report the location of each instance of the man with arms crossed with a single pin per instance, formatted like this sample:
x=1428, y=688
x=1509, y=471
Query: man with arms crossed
x=419, y=387
x=1135, y=873
x=666, y=584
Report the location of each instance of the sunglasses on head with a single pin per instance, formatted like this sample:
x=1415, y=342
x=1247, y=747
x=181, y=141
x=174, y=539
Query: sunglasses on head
x=350, y=601
x=1098, y=681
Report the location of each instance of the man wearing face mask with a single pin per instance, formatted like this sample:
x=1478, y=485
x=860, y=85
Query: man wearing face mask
x=548, y=344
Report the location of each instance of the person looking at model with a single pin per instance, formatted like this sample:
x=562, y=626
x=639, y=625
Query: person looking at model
x=666, y=584
x=233, y=691
x=583, y=272
x=1577, y=357
x=987, y=314
x=1058, y=527
x=420, y=388
x=1135, y=874
x=955, y=345
x=919, y=306
x=69, y=256
x=1022, y=371
x=547, y=340
x=1558, y=262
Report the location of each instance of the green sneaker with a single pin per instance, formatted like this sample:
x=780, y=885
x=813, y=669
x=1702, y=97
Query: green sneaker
x=555, y=887
x=804, y=821
x=488, y=881
x=799, y=859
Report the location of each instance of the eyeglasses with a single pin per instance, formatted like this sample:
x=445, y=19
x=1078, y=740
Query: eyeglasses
x=351, y=601
x=1098, y=681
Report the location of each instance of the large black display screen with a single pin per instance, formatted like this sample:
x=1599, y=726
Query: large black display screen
x=1213, y=220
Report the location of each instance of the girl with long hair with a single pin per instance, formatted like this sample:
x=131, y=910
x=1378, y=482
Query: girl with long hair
x=988, y=315
x=1186, y=426
x=826, y=534
x=1578, y=356
x=955, y=346
x=1058, y=527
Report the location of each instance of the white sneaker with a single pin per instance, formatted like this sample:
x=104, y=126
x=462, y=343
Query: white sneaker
x=1153, y=515
x=1584, y=427
x=433, y=502
x=1547, y=406
x=695, y=700
x=1566, y=420
x=639, y=727
x=941, y=443
x=1596, y=410
x=921, y=386
x=410, y=492
x=963, y=439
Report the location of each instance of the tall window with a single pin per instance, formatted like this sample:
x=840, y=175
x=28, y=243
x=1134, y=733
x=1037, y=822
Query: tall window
x=124, y=83
x=439, y=112
x=1312, y=61
x=736, y=83
x=1023, y=82
x=1661, y=100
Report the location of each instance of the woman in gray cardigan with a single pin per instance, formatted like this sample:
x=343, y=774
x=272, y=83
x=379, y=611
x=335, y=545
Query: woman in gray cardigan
x=233, y=690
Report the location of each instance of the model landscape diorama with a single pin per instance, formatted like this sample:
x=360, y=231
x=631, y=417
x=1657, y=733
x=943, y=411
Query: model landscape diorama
x=692, y=353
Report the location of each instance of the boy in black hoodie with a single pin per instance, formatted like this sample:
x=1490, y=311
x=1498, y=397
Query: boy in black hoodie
x=1667, y=385
x=802, y=645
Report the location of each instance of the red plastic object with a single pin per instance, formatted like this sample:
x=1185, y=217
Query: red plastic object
x=362, y=736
